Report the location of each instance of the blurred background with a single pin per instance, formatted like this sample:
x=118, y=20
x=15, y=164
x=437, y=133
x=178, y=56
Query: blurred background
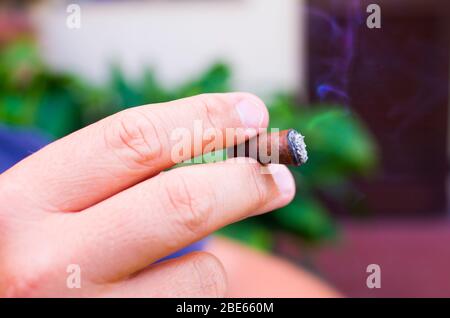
x=372, y=103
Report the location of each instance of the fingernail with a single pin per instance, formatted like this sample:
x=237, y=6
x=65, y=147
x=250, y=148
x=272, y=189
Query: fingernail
x=251, y=113
x=286, y=188
x=283, y=179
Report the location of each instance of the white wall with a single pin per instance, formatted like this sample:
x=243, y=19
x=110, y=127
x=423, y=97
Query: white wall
x=260, y=38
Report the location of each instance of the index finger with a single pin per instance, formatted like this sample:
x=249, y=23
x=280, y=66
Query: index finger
x=113, y=154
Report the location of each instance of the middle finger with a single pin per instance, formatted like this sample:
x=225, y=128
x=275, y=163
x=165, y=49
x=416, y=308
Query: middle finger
x=164, y=214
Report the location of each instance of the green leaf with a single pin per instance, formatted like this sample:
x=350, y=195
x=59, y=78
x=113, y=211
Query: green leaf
x=250, y=232
x=307, y=218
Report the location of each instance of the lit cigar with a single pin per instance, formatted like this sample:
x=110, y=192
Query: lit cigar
x=285, y=147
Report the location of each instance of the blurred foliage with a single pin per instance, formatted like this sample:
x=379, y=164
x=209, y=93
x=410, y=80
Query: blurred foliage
x=339, y=148
x=34, y=95
x=58, y=103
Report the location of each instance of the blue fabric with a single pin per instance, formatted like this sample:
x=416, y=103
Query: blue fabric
x=18, y=143
x=197, y=246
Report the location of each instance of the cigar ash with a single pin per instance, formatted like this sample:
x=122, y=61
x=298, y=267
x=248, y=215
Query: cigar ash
x=297, y=146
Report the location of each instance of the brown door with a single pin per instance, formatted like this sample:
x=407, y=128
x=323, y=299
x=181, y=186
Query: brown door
x=396, y=79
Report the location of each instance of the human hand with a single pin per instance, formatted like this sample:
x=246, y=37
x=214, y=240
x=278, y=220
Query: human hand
x=97, y=199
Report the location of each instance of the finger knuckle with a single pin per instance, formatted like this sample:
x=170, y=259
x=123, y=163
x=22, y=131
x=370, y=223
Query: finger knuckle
x=135, y=138
x=189, y=203
x=259, y=191
x=210, y=275
x=211, y=107
x=20, y=287
x=19, y=280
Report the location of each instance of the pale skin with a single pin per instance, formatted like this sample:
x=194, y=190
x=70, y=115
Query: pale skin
x=97, y=198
